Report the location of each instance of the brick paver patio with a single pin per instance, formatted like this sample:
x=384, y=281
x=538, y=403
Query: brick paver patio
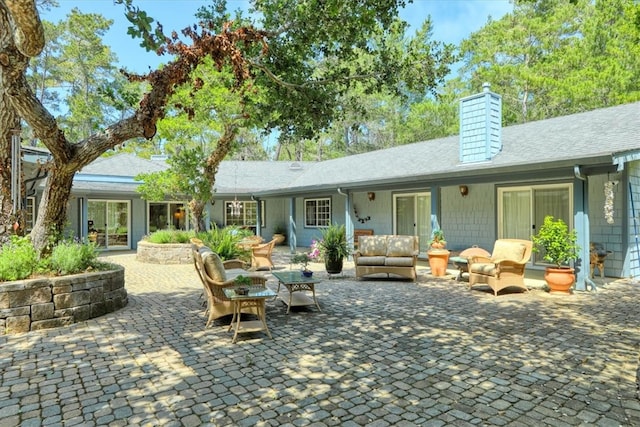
x=381, y=353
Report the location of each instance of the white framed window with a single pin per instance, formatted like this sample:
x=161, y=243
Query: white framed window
x=167, y=216
x=317, y=212
x=247, y=215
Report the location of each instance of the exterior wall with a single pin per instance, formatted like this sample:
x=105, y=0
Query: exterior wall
x=609, y=235
x=306, y=234
x=277, y=213
x=29, y=305
x=632, y=258
x=379, y=211
x=471, y=220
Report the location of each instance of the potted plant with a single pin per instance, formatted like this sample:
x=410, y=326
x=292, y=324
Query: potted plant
x=303, y=259
x=334, y=247
x=242, y=285
x=437, y=239
x=279, y=234
x=559, y=248
x=437, y=254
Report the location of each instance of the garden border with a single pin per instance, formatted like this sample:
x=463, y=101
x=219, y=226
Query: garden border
x=51, y=302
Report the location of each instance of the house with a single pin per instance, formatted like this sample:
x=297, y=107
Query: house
x=486, y=183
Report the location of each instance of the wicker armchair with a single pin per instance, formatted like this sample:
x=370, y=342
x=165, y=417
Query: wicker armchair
x=216, y=275
x=261, y=256
x=505, y=268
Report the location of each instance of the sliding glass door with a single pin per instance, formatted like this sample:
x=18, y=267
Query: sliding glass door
x=521, y=210
x=109, y=223
x=412, y=214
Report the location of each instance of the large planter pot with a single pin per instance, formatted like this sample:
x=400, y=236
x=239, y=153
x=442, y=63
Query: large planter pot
x=333, y=266
x=438, y=261
x=560, y=280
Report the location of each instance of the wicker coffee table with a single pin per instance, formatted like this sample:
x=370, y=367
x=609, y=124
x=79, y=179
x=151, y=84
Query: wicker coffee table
x=297, y=285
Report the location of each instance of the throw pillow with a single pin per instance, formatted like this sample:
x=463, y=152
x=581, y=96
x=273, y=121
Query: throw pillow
x=508, y=250
x=213, y=265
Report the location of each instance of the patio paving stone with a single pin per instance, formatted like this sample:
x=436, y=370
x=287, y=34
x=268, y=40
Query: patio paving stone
x=380, y=353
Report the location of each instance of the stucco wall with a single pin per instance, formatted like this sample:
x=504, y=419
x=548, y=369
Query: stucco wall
x=50, y=302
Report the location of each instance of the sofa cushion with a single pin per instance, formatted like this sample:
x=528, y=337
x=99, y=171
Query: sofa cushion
x=373, y=245
x=508, y=250
x=400, y=246
x=397, y=261
x=371, y=260
x=213, y=265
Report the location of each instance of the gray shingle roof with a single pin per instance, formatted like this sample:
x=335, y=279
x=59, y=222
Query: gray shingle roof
x=593, y=137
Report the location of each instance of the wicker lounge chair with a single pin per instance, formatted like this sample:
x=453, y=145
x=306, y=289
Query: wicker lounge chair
x=216, y=275
x=261, y=256
x=505, y=268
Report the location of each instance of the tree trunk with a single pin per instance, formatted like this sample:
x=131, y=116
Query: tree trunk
x=196, y=207
x=9, y=121
x=53, y=209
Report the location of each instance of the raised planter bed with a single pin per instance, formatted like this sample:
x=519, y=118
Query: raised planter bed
x=164, y=253
x=51, y=302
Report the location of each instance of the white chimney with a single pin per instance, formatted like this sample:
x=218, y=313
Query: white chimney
x=480, y=126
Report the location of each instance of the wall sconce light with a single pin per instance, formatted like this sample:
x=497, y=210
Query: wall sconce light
x=464, y=190
x=371, y=195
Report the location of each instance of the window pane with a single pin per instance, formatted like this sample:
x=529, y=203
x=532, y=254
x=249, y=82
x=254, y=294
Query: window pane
x=516, y=216
x=30, y=213
x=317, y=212
x=158, y=216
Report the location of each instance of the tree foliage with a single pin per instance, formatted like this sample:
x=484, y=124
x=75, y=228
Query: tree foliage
x=556, y=57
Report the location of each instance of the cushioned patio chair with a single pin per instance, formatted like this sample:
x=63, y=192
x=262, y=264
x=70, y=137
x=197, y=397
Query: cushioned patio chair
x=504, y=268
x=216, y=275
x=261, y=256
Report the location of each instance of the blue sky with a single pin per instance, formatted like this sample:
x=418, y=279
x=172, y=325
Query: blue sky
x=453, y=20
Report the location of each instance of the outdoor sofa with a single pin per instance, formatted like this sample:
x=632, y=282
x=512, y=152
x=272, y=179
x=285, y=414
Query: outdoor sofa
x=390, y=254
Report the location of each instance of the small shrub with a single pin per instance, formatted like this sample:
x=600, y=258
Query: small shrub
x=170, y=236
x=224, y=242
x=71, y=257
x=18, y=259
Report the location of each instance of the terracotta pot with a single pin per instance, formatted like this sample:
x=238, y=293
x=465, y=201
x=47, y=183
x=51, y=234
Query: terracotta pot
x=279, y=238
x=560, y=280
x=438, y=260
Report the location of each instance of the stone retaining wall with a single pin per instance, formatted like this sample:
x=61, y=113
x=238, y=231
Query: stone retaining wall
x=51, y=302
x=164, y=253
